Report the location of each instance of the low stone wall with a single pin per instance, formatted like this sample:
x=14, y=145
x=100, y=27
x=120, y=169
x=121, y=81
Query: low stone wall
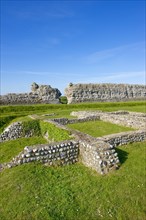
x=61, y=153
x=76, y=93
x=124, y=138
x=38, y=94
x=65, y=121
x=130, y=119
x=99, y=155
x=14, y=131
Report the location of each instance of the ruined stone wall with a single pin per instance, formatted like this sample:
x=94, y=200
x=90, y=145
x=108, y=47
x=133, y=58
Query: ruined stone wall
x=99, y=156
x=61, y=153
x=38, y=94
x=65, y=121
x=134, y=120
x=14, y=131
x=124, y=138
x=77, y=93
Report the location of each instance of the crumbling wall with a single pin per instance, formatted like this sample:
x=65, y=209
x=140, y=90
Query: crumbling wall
x=77, y=93
x=38, y=94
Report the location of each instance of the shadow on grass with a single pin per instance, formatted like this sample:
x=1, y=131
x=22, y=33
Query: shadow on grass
x=123, y=155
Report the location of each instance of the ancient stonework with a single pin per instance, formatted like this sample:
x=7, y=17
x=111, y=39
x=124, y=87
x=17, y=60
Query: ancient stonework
x=134, y=120
x=38, y=94
x=60, y=153
x=97, y=153
x=76, y=93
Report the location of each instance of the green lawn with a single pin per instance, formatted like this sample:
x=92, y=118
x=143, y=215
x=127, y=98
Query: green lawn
x=98, y=128
x=74, y=192
x=20, y=112
x=10, y=149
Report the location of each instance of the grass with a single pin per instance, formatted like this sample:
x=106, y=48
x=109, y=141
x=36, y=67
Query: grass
x=23, y=110
x=4, y=121
x=20, y=112
x=54, y=133
x=10, y=149
x=98, y=128
x=35, y=192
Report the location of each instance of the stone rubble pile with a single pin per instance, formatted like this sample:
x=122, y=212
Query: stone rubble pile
x=76, y=93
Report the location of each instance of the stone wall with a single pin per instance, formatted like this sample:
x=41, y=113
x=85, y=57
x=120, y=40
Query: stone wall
x=76, y=93
x=96, y=153
x=134, y=120
x=124, y=138
x=38, y=94
x=65, y=121
x=15, y=131
x=60, y=153
x=99, y=155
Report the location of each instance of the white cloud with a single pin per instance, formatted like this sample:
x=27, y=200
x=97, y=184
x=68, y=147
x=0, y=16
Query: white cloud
x=121, y=77
x=113, y=52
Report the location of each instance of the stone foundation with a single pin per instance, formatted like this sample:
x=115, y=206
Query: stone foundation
x=65, y=121
x=130, y=119
x=96, y=153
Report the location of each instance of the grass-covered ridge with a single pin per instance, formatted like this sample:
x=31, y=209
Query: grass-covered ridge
x=4, y=121
x=18, y=113
x=33, y=191
x=32, y=109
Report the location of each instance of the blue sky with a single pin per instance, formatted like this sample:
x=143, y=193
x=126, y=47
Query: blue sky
x=58, y=42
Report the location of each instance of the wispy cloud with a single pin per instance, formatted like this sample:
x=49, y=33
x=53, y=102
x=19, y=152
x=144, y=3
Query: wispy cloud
x=42, y=12
x=138, y=77
x=113, y=52
x=39, y=73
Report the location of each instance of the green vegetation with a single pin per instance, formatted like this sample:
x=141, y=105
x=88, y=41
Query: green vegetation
x=98, y=128
x=23, y=110
x=63, y=99
x=32, y=126
x=4, y=121
x=33, y=191
x=36, y=192
x=10, y=149
x=54, y=133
